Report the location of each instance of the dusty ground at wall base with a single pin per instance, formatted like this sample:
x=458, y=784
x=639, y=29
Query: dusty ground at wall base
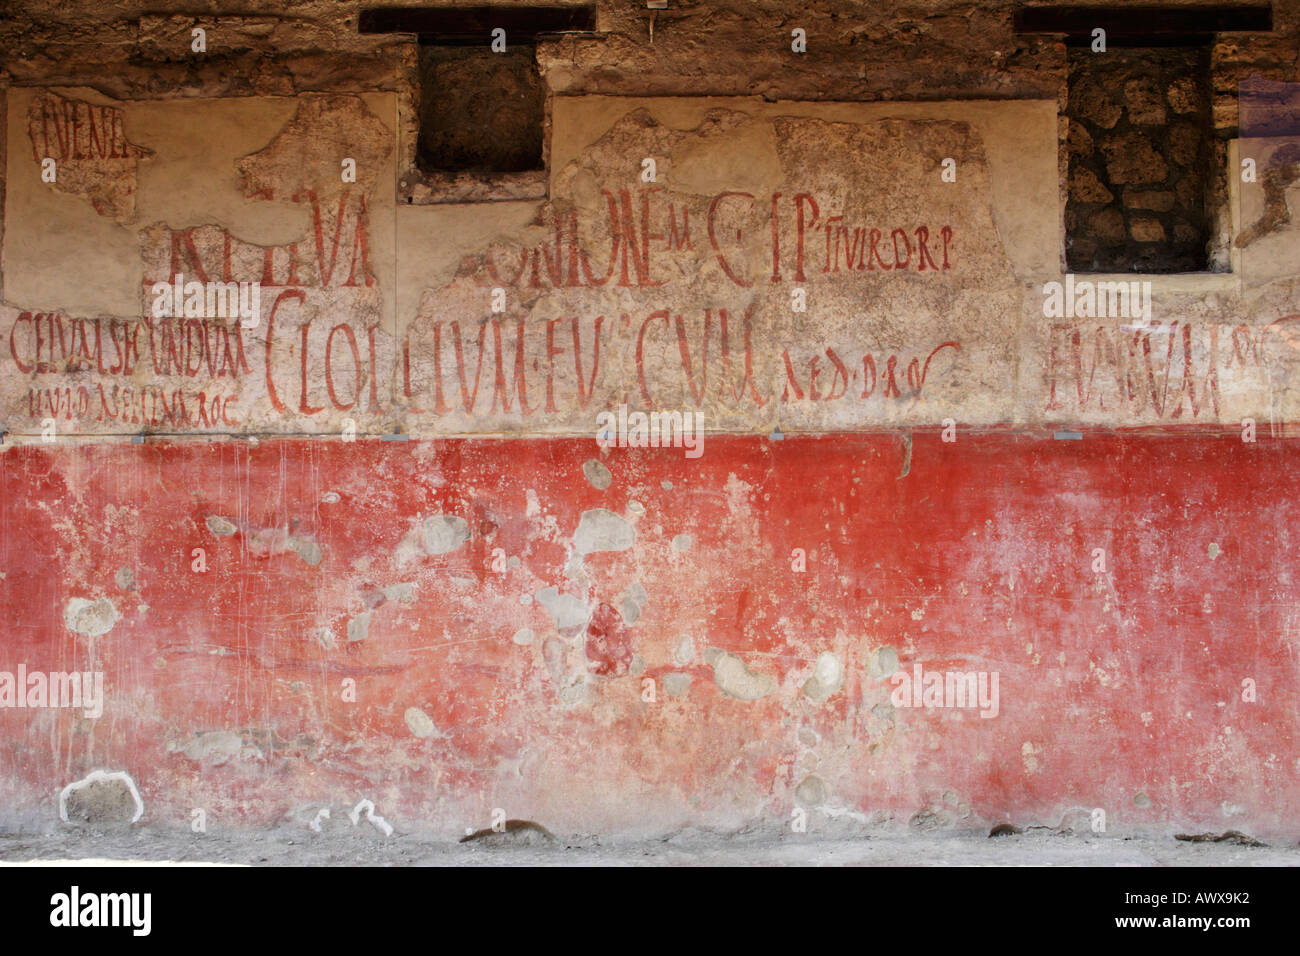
x=692, y=847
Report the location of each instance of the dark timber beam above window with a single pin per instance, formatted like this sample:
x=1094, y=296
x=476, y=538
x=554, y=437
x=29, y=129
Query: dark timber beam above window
x=1145, y=25
x=474, y=24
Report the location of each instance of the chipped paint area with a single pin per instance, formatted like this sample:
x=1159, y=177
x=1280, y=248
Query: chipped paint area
x=451, y=674
x=90, y=618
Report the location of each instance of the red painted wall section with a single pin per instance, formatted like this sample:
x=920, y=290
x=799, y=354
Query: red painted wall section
x=227, y=689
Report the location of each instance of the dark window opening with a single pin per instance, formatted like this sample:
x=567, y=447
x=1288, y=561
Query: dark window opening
x=480, y=111
x=480, y=115
x=1140, y=160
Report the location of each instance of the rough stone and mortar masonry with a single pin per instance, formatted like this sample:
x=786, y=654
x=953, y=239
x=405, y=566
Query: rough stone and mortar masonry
x=480, y=110
x=1140, y=154
x=361, y=551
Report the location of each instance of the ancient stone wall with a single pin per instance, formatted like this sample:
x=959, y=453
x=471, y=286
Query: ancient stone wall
x=338, y=473
x=1140, y=160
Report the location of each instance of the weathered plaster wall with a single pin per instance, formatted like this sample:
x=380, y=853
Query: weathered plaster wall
x=524, y=688
x=804, y=268
x=460, y=609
